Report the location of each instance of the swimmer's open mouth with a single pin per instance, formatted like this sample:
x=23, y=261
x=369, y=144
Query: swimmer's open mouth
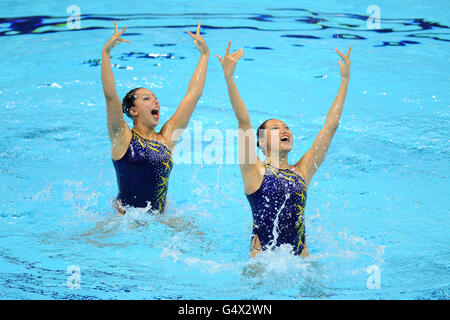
x=285, y=138
x=155, y=113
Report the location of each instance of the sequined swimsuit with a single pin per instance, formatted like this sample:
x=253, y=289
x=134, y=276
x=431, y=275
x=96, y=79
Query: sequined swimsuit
x=143, y=174
x=278, y=208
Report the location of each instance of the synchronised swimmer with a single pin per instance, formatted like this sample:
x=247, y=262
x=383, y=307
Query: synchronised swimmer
x=275, y=189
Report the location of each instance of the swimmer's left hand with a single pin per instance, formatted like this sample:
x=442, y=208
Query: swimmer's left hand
x=115, y=39
x=199, y=41
x=345, y=69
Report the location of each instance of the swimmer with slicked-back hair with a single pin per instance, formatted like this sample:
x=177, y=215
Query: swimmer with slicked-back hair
x=141, y=156
x=275, y=189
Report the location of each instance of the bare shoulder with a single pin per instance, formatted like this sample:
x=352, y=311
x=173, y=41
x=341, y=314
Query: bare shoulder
x=165, y=141
x=301, y=170
x=253, y=176
x=162, y=136
x=169, y=134
x=297, y=169
x=120, y=140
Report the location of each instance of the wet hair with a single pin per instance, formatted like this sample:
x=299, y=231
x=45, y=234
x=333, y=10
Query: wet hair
x=128, y=101
x=261, y=128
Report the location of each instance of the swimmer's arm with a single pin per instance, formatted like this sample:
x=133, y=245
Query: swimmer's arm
x=249, y=162
x=113, y=104
x=239, y=108
x=314, y=157
x=228, y=63
x=114, y=112
x=174, y=127
x=247, y=155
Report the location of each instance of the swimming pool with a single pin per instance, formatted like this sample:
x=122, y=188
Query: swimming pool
x=377, y=211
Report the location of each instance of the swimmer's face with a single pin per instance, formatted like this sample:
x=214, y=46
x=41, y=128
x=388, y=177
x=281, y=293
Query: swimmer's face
x=146, y=106
x=277, y=137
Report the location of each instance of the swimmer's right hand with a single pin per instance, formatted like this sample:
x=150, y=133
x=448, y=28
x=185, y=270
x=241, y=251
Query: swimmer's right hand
x=229, y=60
x=115, y=39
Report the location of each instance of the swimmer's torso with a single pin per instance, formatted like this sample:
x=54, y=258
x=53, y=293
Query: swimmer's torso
x=278, y=209
x=143, y=173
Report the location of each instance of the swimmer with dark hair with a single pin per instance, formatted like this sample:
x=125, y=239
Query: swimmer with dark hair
x=141, y=156
x=275, y=189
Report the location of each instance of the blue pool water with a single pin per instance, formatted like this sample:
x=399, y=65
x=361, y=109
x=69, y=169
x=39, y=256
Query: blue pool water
x=377, y=213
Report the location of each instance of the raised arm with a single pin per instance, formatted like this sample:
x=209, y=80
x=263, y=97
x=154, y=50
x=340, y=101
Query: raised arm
x=314, y=157
x=174, y=127
x=116, y=125
x=249, y=162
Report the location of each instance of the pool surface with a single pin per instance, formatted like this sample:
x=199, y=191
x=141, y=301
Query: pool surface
x=377, y=215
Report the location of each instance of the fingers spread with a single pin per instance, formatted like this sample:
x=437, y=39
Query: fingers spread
x=220, y=58
x=121, y=33
x=341, y=54
x=191, y=34
x=124, y=40
x=349, y=50
x=228, y=48
x=239, y=52
x=237, y=55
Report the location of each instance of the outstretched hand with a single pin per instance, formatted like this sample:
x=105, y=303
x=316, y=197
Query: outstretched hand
x=199, y=40
x=345, y=69
x=115, y=39
x=230, y=60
